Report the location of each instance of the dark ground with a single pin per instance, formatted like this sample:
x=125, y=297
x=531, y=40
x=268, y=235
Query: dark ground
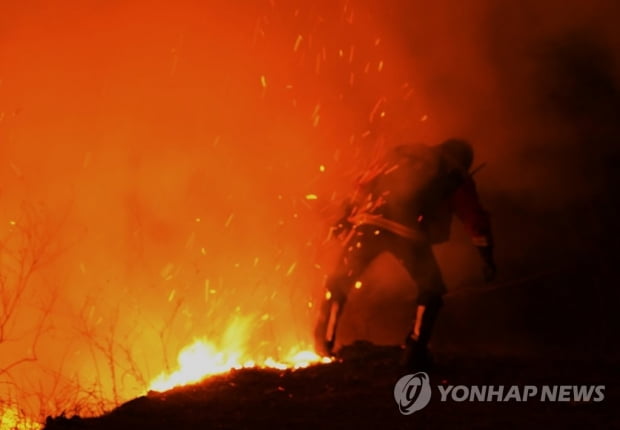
x=552, y=319
x=358, y=393
x=503, y=335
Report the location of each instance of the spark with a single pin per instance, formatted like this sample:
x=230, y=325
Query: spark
x=391, y=169
x=297, y=42
x=291, y=269
x=229, y=220
x=376, y=108
x=316, y=110
x=311, y=197
x=358, y=285
x=321, y=168
x=263, y=81
x=166, y=272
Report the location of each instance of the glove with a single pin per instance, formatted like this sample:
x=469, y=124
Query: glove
x=489, y=270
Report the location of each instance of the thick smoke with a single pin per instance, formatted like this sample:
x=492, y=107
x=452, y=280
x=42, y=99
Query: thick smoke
x=159, y=162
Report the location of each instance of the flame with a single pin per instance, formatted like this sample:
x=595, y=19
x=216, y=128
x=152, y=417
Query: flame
x=204, y=358
x=11, y=419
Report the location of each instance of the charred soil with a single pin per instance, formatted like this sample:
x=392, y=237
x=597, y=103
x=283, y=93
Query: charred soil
x=356, y=391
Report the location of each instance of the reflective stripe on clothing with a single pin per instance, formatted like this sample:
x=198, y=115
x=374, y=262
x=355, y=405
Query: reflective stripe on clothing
x=387, y=224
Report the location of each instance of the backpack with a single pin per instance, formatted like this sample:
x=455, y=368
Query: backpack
x=401, y=186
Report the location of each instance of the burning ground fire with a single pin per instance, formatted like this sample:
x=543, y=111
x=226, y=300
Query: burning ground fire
x=202, y=359
x=12, y=419
x=216, y=155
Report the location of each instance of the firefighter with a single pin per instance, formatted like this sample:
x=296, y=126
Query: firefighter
x=404, y=205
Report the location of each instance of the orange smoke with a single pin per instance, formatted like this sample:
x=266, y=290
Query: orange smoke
x=171, y=171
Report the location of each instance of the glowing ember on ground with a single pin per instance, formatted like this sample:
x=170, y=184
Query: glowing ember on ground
x=204, y=358
x=11, y=419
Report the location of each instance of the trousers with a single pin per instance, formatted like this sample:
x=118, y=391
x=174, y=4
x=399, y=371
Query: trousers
x=366, y=243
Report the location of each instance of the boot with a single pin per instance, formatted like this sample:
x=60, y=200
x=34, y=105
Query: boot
x=416, y=356
x=325, y=328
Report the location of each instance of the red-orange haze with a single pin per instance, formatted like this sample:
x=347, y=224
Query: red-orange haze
x=168, y=169
x=158, y=160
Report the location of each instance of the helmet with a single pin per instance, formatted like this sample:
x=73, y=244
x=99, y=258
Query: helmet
x=458, y=152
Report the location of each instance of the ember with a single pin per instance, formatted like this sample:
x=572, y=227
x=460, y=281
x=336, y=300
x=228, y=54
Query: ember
x=202, y=359
x=169, y=172
x=12, y=419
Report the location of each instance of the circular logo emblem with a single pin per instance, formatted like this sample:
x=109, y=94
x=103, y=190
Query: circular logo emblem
x=412, y=392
